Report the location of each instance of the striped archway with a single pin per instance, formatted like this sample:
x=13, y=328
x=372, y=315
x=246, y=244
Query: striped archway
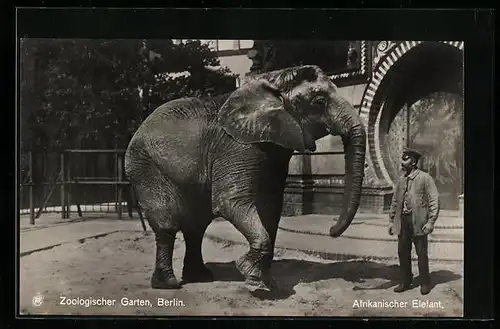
x=370, y=112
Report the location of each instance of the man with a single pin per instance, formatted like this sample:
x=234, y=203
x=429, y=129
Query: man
x=414, y=210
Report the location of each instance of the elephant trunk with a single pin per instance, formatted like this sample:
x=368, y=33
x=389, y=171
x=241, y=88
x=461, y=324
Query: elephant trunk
x=348, y=125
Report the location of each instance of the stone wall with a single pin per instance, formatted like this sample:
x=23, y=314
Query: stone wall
x=328, y=200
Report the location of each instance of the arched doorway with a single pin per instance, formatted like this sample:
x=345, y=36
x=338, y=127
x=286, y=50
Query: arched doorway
x=424, y=110
x=435, y=129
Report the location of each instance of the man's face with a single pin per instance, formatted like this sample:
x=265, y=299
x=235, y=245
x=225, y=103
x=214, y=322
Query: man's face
x=407, y=162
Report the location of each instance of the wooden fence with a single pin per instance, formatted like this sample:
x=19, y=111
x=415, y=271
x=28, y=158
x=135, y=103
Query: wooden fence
x=91, y=180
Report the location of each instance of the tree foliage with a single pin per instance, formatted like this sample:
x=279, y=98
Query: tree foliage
x=95, y=93
x=436, y=123
x=435, y=128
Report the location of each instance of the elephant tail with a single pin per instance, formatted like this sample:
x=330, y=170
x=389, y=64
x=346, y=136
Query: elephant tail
x=135, y=203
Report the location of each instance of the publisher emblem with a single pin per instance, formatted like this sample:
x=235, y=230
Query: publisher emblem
x=38, y=300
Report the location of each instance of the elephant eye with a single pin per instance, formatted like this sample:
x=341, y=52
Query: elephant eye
x=319, y=102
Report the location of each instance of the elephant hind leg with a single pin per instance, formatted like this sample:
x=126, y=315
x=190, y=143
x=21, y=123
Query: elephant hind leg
x=163, y=275
x=159, y=199
x=194, y=268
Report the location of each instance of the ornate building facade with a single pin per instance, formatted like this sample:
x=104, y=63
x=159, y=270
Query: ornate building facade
x=408, y=94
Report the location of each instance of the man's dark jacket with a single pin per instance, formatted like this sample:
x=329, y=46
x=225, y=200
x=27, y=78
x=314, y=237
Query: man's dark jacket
x=424, y=201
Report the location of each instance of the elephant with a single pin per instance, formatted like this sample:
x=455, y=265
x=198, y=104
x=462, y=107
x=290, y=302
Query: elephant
x=196, y=159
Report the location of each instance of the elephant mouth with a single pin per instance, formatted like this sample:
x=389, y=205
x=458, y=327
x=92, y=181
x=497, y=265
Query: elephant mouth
x=309, y=141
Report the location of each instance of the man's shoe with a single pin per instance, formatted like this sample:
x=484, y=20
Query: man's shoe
x=425, y=289
x=402, y=287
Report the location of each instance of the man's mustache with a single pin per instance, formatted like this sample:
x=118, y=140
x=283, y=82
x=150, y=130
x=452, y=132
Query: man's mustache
x=405, y=167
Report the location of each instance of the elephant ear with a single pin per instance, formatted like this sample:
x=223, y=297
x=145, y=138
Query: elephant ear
x=256, y=113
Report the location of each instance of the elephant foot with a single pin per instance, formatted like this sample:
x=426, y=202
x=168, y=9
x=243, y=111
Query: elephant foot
x=197, y=274
x=164, y=280
x=255, y=278
x=266, y=284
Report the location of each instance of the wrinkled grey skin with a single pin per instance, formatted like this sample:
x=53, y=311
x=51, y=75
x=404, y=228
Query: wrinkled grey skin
x=193, y=160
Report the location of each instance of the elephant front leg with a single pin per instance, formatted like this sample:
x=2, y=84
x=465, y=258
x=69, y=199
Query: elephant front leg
x=255, y=265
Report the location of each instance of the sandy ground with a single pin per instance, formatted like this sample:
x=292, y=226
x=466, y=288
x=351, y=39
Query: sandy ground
x=119, y=266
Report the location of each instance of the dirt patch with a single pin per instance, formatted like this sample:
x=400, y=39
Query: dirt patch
x=120, y=265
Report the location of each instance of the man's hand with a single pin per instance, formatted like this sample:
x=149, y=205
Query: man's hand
x=391, y=229
x=428, y=228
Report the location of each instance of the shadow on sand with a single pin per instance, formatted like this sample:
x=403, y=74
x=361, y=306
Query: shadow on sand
x=290, y=272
